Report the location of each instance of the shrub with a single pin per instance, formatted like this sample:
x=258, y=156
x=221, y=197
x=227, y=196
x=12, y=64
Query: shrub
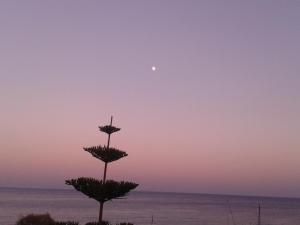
x=124, y=224
x=98, y=223
x=36, y=219
x=66, y=223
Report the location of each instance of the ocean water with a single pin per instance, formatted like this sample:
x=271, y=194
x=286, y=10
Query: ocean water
x=141, y=207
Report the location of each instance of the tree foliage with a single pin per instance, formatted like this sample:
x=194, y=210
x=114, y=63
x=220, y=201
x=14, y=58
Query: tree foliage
x=109, y=129
x=100, y=191
x=105, y=154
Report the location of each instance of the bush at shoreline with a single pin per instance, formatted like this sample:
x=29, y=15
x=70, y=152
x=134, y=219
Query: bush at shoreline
x=46, y=219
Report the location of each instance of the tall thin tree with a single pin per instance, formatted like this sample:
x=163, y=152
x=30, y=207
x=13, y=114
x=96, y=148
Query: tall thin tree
x=103, y=190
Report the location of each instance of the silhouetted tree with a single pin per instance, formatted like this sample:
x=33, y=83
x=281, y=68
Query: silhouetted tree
x=103, y=190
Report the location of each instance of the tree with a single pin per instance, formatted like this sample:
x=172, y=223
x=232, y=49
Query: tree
x=103, y=190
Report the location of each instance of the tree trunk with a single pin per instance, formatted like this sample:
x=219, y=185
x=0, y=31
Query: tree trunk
x=101, y=212
x=104, y=177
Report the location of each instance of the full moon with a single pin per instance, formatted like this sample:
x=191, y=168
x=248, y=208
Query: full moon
x=153, y=68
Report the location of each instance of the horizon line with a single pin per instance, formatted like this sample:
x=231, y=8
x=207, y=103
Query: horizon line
x=166, y=192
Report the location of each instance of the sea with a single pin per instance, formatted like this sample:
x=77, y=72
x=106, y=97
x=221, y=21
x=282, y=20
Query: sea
x=144, y=208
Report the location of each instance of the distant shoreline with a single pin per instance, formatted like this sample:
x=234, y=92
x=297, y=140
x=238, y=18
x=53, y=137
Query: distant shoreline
x=157, y=192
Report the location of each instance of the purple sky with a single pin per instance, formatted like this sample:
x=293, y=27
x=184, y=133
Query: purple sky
x=219, y=115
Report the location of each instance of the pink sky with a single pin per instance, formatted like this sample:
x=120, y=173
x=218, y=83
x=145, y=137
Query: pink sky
x=220, y=114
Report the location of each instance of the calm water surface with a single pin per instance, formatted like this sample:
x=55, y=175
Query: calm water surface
x=139, y=207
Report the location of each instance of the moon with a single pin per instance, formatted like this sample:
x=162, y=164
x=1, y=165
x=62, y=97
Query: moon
x=153, y=68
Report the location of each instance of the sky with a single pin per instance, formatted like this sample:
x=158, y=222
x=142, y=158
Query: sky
x=219, y=115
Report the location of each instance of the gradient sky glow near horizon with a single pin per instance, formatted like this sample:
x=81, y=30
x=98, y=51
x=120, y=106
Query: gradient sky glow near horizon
x=219, y=115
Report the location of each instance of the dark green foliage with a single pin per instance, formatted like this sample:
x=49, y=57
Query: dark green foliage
x=66, y=223
x=106, y=154
x=109, y=129
x=95, y=189
x=98, y=223
x=36, y=219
